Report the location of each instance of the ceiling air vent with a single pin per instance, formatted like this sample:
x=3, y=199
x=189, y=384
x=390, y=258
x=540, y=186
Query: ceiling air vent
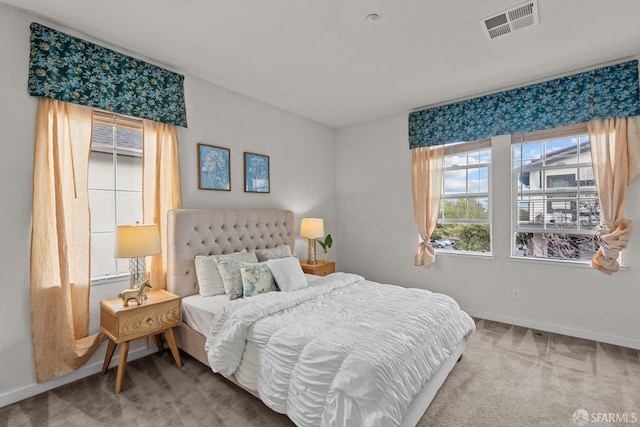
x=511, y=20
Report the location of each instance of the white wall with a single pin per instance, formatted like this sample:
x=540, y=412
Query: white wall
x=302, y=179
x=378, y=236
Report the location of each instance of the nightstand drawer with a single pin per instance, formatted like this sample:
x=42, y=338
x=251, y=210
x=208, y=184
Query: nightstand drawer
x=158, y=313
x=147, y=320
x=321, y=268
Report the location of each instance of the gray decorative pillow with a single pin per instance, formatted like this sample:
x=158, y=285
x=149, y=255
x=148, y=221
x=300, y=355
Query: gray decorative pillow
x=256, y=278
x=271, y=253
x=229, y=268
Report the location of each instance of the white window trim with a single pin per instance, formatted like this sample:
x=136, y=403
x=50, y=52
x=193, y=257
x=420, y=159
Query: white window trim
x=117, y=120
x=542, y=136
x=466, y=147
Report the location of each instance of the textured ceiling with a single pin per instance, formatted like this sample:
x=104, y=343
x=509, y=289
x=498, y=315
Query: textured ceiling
x=320, y=58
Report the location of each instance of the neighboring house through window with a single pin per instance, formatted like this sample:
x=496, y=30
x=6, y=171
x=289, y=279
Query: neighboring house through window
x=464, y=223
x=555, y=209
x=115, y=188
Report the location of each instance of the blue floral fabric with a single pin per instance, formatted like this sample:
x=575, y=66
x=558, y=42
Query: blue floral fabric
x=607, y=92
x=73, y=70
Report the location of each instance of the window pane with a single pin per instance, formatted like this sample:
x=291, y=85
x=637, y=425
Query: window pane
x=103, y=262
x=589, y=211
x=473, y=158
x=478, y=180
x=478, y=208
x=577, y=247
x=463, y=237
x=561, y=151
x=531, y=211
x=100, y=173
x=102, y=207
x=585, y=149
x=586, y=177
x=454, y=208
x=455, y=181
x=531, y=152
x=561, y=178
x=562, y=212
x=129, y=173
x=129, y=207
x=485, y=156
x=455, y=160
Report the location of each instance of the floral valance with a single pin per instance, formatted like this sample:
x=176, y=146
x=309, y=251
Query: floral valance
x=73, y=70
x=607, y=92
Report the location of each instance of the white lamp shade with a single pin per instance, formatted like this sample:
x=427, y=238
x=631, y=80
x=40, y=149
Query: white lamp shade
x=133, y=241
x=312, y=228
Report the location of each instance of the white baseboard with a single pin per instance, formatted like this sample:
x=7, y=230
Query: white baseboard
x=556, y=329
x=33, y=389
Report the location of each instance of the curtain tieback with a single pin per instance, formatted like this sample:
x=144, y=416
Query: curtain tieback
x=612, y=240
x=425, y=254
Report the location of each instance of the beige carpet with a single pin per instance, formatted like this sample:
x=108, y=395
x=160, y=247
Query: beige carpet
x=509, y=376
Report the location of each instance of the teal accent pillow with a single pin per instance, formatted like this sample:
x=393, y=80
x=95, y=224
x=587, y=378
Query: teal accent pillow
x=256, y=278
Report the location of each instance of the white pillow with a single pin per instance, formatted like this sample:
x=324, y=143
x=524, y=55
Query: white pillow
x=209, y=278
x=256, y=279
x=277, y=252
x=288, y=273
x=229, y=268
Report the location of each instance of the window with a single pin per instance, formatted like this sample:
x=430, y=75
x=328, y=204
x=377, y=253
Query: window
x=464, y=224
x=555, y=209
x=115, y=188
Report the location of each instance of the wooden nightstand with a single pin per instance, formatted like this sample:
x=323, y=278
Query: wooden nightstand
x=321, y=268
x=159, y=313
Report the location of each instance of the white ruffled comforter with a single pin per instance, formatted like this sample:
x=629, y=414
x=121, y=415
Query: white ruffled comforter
x=342, y=352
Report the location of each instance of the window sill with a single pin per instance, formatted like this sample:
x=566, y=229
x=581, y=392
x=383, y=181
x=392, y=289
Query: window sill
x=576, y=264
x=440, y=252
x=110, y=279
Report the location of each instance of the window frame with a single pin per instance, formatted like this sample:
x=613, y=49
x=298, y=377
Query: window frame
x=578, y=189
x=106, y=118
x=468, y=147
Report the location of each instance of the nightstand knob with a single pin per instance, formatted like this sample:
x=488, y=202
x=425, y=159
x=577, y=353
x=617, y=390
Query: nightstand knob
x=150, y=319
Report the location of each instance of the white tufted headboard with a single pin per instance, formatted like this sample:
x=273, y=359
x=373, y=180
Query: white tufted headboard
x=192, y=232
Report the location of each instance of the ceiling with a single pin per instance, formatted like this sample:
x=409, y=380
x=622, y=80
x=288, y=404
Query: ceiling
x=322, y=60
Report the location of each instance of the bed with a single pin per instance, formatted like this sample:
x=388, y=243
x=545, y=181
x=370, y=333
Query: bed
x=371, y=370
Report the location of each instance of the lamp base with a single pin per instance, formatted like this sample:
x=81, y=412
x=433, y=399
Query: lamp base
x=137, y=273
x=311, y=251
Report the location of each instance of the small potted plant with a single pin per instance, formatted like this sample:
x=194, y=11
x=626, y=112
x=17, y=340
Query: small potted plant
x=326, y=245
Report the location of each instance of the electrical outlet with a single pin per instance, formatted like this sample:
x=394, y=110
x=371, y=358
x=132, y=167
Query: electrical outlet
x=515, y=294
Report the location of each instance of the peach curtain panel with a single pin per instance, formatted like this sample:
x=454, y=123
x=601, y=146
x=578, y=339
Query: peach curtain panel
x=427, y=170
x=161, y=189
x=615, y=153
x=60, y=240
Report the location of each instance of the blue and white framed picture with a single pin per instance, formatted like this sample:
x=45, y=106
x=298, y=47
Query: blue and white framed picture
x=214, y=168
x=256, y=173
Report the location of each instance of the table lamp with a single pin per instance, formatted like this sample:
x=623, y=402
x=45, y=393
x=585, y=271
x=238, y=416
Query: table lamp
x=311, y=228
x=137, y=242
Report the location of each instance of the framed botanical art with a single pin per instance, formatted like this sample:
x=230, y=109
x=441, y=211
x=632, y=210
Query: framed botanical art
x=256, y=173
x=214, y=170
